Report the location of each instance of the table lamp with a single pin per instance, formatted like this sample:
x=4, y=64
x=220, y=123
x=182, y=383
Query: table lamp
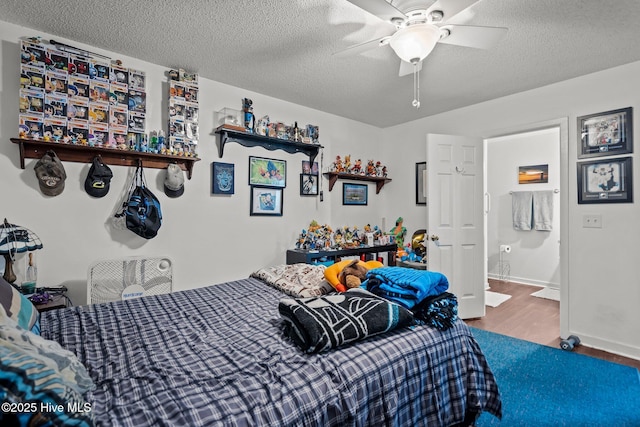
x=15, y=239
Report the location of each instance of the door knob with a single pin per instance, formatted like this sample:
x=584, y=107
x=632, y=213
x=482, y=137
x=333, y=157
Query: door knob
x=434, y=238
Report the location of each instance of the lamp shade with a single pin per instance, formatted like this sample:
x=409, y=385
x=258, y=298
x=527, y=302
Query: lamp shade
x=15, y=239
x=414, y=42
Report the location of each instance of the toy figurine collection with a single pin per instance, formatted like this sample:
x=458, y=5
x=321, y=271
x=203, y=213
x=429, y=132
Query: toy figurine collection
x=372, y=168
x=183, y=114
x=265, y=127
x=322, y=237
x=68, y=95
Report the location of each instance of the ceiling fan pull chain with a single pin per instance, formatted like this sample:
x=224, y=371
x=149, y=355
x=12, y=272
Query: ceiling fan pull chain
x=416, y=86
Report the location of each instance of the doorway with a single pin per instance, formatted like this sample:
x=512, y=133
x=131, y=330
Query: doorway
x=531, y=257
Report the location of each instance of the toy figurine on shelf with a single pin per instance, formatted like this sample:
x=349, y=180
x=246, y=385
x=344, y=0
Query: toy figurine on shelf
x=399, y=232
x=357, y=167
x=371, y=169
x=337, y=165
x=249, y=118
x=262, y=128
x=384, y=171
x=378, y=168
x=347, y=163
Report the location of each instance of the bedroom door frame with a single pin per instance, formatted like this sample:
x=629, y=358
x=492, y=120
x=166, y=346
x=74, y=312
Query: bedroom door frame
x=563, y=125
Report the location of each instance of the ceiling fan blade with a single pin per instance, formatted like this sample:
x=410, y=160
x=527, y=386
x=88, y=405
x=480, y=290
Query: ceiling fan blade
x=471, y=36
x=406, y=68
x=362, y=47
x=379, y=8
x=450, y=8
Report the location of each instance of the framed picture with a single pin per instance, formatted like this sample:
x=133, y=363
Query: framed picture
x=536, y=174
x=266, y=201
x=354, y=194
x=267, y=172
x=309, y=168
x=222, y=178
x=421, y=180
x=605, y=181
x=606, y=134
x=308, y=184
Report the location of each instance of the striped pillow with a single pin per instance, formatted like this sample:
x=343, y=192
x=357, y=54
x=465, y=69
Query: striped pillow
x=17, y=306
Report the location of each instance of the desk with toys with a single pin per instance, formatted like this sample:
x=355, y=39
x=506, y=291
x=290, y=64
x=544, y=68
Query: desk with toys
x=295, y=256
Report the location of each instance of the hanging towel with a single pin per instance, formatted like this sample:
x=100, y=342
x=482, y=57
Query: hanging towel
x=543, y=210
x=521, y=205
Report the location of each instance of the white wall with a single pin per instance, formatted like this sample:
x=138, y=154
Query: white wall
x=535, y=255
x=601, y=296
x=211, y=239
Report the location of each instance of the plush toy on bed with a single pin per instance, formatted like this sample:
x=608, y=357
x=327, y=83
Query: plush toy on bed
x=349, y=273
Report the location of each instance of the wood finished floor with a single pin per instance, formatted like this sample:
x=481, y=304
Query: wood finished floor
x=533, y=319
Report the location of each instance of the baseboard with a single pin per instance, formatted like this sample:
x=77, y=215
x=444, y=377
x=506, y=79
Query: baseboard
x=609, y=346
x=523, y=281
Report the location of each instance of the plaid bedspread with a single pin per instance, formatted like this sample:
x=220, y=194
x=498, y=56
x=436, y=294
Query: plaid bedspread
x=218, y=356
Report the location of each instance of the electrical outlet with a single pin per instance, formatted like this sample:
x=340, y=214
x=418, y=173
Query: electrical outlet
x=592, y=221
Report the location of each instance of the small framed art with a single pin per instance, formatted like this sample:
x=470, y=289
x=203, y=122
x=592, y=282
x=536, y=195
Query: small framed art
x=267, y=172
x=222, y=181
x=309, y=168
x=308, y=184
x=606, y=134
x=536, y=174
x=266, y=201
x=605, y=181
x=354, y=194
x=421, y=179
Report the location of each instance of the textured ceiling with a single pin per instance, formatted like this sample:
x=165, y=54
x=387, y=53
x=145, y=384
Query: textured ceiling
x=284, y=48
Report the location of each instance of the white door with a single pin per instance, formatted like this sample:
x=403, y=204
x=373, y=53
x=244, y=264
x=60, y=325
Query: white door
x=455, y=209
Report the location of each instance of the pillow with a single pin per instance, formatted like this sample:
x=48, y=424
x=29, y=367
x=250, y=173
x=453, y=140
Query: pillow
x=332, y=272
x=47, y=353
x=298, y=280
x=17, y=306
x=37, y=392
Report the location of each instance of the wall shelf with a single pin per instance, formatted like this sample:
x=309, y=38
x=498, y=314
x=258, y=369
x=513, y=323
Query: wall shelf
x=253, y=140
x=35, y=149
x=333, y=177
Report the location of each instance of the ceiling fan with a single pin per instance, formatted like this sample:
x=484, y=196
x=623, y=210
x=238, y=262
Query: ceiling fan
x=417, y=32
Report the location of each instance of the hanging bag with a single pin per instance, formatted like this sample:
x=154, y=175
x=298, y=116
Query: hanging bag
x=141, y=209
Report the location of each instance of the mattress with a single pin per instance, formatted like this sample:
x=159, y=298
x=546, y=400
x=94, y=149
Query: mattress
x=218, y=356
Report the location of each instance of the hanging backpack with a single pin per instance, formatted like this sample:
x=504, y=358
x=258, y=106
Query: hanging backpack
x=141, y=208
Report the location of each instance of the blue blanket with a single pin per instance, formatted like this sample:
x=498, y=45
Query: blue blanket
x=406, y=286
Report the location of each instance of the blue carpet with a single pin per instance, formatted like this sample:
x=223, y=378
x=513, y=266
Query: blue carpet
x=545, y=386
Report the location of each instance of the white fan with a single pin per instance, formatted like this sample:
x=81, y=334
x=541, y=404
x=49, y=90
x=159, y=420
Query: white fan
x=126, y=278
x=418, y=30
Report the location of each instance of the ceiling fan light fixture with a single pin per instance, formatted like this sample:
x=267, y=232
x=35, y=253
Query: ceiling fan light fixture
x=414, y=42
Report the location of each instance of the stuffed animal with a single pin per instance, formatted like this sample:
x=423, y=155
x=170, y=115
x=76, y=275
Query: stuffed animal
x=353, y=274
x=340, y=281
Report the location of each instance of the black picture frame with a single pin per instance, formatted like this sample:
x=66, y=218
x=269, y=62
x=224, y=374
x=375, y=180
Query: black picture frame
x=605, y=181
x=421, y=180
x=355, y=194
x=266, y=201
x=606, y=134
x=308, y=184
x=222, y=178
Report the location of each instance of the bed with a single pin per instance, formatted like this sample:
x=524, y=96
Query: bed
x=219, y=356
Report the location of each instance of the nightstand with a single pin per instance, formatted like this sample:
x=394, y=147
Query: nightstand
x=57, y=301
